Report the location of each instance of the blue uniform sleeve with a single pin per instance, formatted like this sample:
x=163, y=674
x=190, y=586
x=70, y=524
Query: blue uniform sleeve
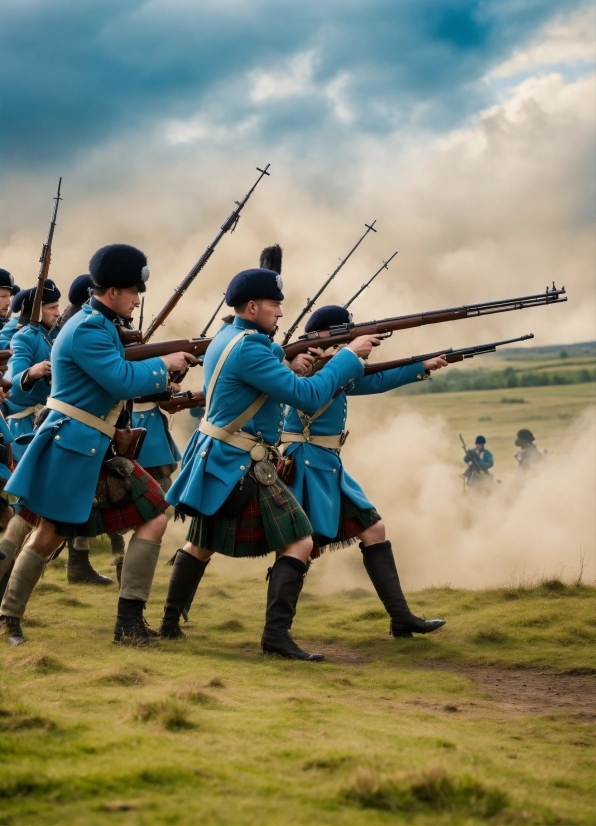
x=387, y=380
x=94, y=352
x=260, y=367
x=24, y=347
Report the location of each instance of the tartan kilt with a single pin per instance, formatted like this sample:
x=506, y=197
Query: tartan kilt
x=263, y=526
x=146, y=502
x=352, y=521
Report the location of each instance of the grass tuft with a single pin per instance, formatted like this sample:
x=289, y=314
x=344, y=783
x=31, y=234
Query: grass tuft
x=230, y=625
x=491, y=635
x=463, y=796
x=371, y=614
x=216, y=682
x=18, y=718
x=170, y=714
x=126, y=676
x=42, y=664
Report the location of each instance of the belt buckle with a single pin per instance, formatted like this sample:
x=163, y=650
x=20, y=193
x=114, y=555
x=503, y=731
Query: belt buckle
x=343, y=437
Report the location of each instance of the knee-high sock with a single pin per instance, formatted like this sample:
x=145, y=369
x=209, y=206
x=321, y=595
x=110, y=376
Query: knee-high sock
x=25, y=576
x=138, y=569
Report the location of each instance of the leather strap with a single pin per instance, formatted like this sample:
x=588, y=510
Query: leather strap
x=143, y=407
x=334, y=442
x=230, y=432
x=22, y=414
x=105, y=426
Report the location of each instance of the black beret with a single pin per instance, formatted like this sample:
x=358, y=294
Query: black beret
x=50, y=294
x=79, y=289
x=480, y=440
x=329, y=316
x=525, y=435
x=6, y=280
x=119, y=265
x=250, y=285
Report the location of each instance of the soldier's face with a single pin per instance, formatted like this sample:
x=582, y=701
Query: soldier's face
x=49, y=313
x=125, y=301
x=265, y=313
x=5, y=297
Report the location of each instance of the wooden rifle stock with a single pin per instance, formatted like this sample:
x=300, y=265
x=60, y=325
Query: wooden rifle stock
x=344, y=333
x=46, y=255
x=183, y=401
x=140, y=352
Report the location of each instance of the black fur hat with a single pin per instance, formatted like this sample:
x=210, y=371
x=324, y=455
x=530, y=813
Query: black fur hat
x=329, y=316
x=250, y=285
x=16, y=290
x=6, y=280
x=119, y=265
x=50, y=294
x=271, y=258
x=17, y=302
x=79, y=289
x=524, y=435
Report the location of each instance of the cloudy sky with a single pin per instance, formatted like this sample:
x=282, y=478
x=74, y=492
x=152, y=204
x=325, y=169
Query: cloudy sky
x=466, y=129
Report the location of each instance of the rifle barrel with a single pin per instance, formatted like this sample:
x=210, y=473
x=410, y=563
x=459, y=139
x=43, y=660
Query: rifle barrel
x=228, y=224
x=44, y=260
x=212, y=319
x=310, y=302
x=370, y=280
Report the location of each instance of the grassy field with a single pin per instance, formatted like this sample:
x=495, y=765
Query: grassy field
x=489, y=720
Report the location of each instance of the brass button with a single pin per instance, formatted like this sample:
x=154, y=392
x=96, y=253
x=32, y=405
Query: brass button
x=142, y=415
x=157, y=385
x=155, y=372
x=334, y=470
x=153, y=414
x=92, y=450
x=57, y=438
x=307, y=462
x=242, y=467
x=203, y=454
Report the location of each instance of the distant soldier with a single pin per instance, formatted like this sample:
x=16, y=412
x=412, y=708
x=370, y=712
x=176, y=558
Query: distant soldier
x=479, y=461
x=528, y=455
x=10, y=326
x=8, y=289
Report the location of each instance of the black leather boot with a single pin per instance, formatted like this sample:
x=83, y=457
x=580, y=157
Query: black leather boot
x=12, y=627
x=131, y=627
x=79, y=569
x=285, y=583
x=187, y=572
x=380, y=566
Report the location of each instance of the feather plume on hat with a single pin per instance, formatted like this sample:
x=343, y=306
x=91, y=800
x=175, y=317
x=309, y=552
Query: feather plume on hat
x=271, y=258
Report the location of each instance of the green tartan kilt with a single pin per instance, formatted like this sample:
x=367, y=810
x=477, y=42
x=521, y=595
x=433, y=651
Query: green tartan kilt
x=264, y=526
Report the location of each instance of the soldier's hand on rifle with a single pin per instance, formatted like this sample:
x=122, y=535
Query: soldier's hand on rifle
x=435, y=364
x=302, y=364
x=363, y=345
x=178, y=362
x=39, y=370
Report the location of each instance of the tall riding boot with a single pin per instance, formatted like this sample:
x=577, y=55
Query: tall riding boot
x=138, y=570
x=380, y=566
x=184, y=581
x=25, y=576
x=285, y=583
x=78, y=567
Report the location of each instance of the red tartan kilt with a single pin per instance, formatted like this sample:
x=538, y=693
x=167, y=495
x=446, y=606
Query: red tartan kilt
x=147, y=502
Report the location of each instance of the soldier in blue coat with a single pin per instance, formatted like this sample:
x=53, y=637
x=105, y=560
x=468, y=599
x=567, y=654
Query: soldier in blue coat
x=29, y=367
x=479, y=461
x=228, y=482
x=64, y=476
x=10, y=327
x=336, y=505
x=8, y=289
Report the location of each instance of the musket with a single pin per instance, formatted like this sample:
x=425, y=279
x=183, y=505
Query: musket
x=46, y=255
x=212, y=319
x=473, y=458
x=183, y=401
x=450, y=355
x=142, y=310
x=228, y=225
x=370, y=280
x=344, y=333
x=310, y=302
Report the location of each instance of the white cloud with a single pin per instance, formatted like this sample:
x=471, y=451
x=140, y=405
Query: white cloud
x=295, y=78
x=565, y=40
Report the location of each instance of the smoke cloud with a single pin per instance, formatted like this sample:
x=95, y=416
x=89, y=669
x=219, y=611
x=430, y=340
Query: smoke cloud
x=531, y=526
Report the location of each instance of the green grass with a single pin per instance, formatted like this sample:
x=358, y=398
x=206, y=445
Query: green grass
x=207, y=730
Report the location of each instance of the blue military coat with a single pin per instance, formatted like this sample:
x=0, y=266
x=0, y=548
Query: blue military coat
x=211, y=468
x=159, y=448
x=8, y=331
x=30, y=345
x=8, y=439
x=319, y=475
x=57, y=476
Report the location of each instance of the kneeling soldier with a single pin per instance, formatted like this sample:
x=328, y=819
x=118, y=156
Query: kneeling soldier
x=227, y=482
x=336, y=505
x=71, y=476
